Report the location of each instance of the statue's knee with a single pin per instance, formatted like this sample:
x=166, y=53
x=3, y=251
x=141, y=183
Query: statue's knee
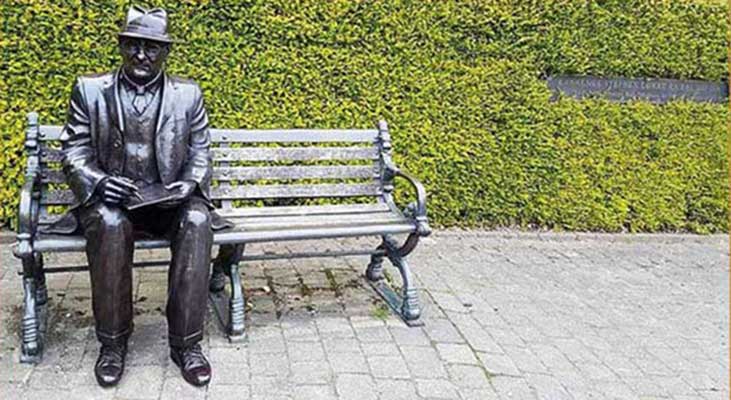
x=197, y=218
x=113, y=218
x=110, y=219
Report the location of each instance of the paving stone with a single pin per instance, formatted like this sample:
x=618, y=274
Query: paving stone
x=142, y=382
x=228, y=392
x=229, y=355
x=436, y=388
x=478, y=394
x=356, y=387
x=498, y=364
x=348, y=362
x=176, y=388
x=264, y=387
x=407, y=336
x=311, y=372
x=379, y=349
x=525, y=360
x=305, y=351
x=456, y=353
x=388, y=367
x=615, y=390
x=342, y=345
x=423, y=362
x=512, y=388
x=443, y=331
x=396, y=389
x=269, y=364
x=314, y=392
x=468, y=376
x=227, y=374
x=547, y=387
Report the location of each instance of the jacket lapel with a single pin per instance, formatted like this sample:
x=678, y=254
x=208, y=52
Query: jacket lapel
x=114, y=105
x=165, y=134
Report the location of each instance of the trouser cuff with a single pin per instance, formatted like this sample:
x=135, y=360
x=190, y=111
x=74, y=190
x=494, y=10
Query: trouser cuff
x=185, y=341
x=114, y=338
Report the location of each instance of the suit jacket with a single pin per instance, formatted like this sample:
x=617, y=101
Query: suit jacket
x=93, y=138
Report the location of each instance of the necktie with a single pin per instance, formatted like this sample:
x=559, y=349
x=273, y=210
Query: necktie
x=140, y=101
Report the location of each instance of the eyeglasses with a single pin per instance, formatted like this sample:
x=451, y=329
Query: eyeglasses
x=151, y=49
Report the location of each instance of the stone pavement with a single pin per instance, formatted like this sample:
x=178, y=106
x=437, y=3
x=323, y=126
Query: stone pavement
x=508, y=316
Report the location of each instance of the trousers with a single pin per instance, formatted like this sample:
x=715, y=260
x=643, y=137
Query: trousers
x=110, y=232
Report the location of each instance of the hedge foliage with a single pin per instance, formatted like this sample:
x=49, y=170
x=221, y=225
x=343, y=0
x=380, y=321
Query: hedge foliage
x=462, y=84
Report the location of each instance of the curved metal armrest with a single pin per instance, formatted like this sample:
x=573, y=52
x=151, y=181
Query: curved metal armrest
x=419, y=209
x=27, y=219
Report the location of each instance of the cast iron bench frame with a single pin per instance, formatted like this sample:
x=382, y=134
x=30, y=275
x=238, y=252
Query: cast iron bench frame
x=381, y=217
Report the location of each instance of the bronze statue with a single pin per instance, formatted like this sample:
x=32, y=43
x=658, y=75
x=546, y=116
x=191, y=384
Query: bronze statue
x=136, y=156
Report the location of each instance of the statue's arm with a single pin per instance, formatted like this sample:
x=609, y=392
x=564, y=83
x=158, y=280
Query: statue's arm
x=198, y=164
x=79, y=156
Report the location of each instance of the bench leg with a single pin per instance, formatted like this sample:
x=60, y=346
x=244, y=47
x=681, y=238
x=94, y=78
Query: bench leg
x=410, y=309
x=237, y=316
x=40, y=275
x=31, y=333
x=405, y=304
x=230, y=312
x=374, y=272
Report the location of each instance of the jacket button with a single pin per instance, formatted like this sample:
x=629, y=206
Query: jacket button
x=116, y=145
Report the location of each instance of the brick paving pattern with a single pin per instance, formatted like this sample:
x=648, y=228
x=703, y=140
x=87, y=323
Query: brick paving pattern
x=508, y=316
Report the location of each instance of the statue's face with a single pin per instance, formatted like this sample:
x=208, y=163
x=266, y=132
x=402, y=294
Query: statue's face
x=142, y=59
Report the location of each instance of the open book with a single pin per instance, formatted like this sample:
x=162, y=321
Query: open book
x=151, y=194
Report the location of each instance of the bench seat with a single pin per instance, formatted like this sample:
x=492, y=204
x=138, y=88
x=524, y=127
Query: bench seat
x=269, y=224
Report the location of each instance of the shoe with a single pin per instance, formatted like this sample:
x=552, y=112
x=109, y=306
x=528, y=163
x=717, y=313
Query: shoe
x=110, y=364
x=192, y=363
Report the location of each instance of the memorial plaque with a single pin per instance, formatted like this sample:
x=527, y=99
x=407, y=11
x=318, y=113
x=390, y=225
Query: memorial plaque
x=648, y=89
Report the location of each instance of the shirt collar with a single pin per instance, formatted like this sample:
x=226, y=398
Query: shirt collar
x=140, y=89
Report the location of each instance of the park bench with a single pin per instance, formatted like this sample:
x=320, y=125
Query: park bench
x=271, y=185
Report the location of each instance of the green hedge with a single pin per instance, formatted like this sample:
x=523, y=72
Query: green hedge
x=460, y=82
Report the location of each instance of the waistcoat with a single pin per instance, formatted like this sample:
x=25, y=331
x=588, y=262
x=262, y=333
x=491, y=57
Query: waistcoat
x=140, y=163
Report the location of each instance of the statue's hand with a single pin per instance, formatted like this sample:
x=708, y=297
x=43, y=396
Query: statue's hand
x=184, y=190
x=116, y=189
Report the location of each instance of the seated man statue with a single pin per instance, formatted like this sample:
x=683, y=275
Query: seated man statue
x=128, y=132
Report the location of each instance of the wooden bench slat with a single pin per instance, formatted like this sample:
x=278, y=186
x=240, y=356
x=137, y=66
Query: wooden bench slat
x=254, y=212
x=267, y=154
x=294, y=172
x=57, y=197
x=295, y=191
x=61, y=243
x=282, y=211
x=53, y=132
x=293, y=135
x=264, y=172
x=299, y=222
x=50, y=132
x=53, y=176
x=65, y=197
x=294, y=153
x=50, y=154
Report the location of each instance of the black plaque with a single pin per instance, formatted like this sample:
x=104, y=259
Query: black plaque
x=648, y=89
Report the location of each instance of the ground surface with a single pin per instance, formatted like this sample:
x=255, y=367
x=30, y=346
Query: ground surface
x=508, y=316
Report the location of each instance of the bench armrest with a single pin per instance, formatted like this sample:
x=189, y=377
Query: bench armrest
x=27, y=219
x=418, y=209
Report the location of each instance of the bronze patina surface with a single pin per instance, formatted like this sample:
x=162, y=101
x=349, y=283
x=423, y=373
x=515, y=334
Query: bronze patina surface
x=126, y=130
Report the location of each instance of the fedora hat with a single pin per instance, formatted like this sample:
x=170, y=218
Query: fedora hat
x=146, y=24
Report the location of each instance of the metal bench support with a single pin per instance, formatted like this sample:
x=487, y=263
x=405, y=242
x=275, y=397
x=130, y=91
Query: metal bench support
x=406, y=304
x=230, y=312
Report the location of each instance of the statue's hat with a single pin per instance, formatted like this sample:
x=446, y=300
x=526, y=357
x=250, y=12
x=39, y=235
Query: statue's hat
x=147, y=24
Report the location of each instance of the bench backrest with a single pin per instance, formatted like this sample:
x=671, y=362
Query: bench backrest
x=251, y=165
